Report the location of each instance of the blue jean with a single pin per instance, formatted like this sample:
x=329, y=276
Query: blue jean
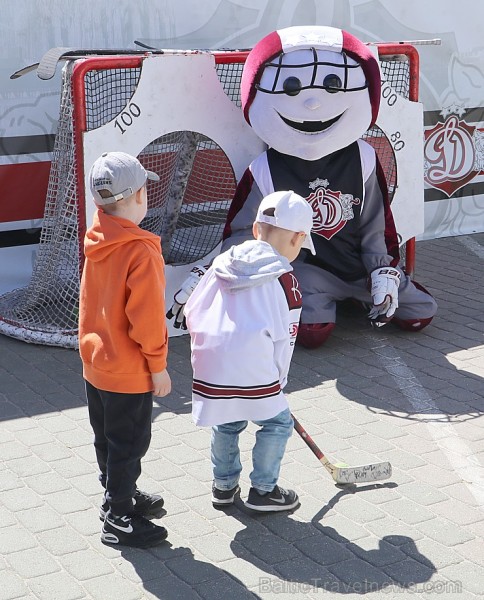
x=267, y=454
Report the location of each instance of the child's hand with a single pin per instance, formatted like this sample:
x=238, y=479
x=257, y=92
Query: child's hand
x=161, y=383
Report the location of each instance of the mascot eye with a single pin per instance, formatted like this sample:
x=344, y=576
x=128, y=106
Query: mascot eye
x=292, y=86
x=330, y=82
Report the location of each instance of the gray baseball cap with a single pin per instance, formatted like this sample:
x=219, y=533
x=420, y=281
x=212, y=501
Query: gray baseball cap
x=119, y=173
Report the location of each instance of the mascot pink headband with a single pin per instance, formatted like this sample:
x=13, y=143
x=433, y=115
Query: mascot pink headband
x=300, y=38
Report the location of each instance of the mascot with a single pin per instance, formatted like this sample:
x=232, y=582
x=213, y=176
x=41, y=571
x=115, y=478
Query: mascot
x=310, y=93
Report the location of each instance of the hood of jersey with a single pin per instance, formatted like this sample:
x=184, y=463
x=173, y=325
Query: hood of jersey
x=249, y=265
x=109, y=232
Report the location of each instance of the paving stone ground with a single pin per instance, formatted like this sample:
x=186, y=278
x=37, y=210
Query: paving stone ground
x=368, y=395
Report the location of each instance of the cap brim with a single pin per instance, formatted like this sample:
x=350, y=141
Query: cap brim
x=152, y=176
x=308, y=244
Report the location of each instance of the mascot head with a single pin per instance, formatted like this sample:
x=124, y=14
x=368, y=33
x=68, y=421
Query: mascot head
x=309, y=91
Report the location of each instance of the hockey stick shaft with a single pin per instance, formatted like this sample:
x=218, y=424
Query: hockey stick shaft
x=344, y=474
x=313, y=446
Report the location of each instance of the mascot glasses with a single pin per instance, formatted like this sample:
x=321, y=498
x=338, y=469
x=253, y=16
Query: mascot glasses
x=331, y=81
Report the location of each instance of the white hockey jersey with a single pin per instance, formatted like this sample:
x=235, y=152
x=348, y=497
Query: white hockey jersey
x=243, y=319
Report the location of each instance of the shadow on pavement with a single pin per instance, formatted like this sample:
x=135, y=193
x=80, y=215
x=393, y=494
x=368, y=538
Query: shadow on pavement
x=401, y=374
x=311, y=556
x=161, y=568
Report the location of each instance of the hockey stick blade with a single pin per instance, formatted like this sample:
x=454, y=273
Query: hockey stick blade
x=48, y=63
x=24, y=71
x=343, y=474
x=144, y=44
x=47, y=66
x=362, y=474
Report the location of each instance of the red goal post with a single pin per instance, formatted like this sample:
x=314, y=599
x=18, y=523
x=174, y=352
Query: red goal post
x=396, y=53
x=198, y=177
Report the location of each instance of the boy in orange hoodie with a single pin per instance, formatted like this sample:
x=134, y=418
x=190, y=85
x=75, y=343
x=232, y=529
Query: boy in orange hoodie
x=123, y=345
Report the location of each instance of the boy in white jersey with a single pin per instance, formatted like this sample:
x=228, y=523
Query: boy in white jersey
x=243, y=319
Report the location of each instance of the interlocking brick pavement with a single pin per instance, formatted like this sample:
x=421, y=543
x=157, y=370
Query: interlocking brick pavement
x=367, y=395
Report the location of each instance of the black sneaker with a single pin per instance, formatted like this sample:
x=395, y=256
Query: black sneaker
x=144, y=504
x=277, y=500
x=131, y=530
x=223, y=497
x=148, y=505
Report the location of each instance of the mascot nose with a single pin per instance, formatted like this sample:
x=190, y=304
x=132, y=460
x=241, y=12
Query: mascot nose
x=312, y=103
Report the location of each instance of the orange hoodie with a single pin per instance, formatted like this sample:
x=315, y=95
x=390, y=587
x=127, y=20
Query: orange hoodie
x=122, y=329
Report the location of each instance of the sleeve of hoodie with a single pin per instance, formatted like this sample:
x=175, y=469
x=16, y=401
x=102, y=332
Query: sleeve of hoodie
x=282, y=343
x=374, y=249
x=242, y=212
x=145, y=309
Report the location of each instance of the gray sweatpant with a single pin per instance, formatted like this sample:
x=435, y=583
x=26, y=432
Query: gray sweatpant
x=321, y=290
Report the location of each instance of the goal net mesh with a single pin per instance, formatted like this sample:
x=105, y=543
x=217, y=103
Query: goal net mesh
x=188, y=209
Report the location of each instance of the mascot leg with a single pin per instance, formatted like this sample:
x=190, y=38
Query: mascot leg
x=411, y=324
x=320, y=291
x=417, y=307
x=313, y=335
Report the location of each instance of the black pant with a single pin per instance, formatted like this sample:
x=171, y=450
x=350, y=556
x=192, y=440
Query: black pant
x=122, y=435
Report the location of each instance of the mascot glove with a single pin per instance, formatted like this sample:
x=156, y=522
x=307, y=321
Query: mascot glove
x=177, y=310
x=384, y=294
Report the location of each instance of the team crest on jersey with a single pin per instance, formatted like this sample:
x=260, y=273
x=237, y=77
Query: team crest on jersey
x=331, y=210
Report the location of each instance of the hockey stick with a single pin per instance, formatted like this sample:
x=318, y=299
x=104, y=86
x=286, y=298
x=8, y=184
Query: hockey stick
x=145, y=45
x=46, y=68
x=341, y=473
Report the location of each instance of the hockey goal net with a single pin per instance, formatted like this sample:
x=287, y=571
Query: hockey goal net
x=187, y=210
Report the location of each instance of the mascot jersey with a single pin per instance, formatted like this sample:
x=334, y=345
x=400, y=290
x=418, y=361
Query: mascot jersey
x=353, y=229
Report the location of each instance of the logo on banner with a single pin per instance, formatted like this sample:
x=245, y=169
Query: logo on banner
x=331, y=210
x=451, y=152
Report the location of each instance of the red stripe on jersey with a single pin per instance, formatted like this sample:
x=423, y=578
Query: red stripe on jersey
x=391, y=237
x=216, y=391
x=241, y=193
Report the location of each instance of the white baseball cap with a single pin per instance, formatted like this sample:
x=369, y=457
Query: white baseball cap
x=119, y=173
x=291, y=212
